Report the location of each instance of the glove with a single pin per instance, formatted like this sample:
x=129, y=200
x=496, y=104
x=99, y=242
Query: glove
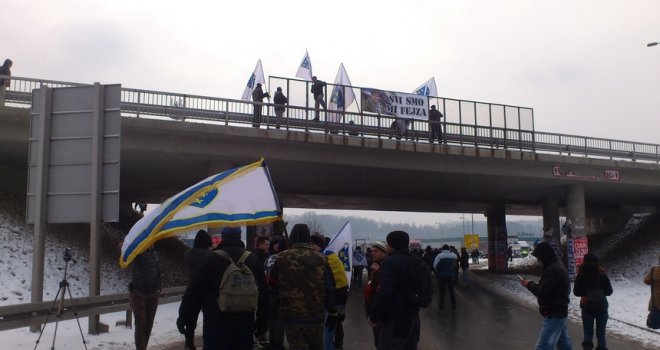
x=331, y=322
x=181, y=325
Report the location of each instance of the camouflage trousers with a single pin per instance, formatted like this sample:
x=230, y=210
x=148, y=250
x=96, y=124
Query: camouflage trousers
x=305, y=337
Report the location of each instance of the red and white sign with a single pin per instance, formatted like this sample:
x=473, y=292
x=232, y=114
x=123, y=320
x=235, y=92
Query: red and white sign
x=612, y=175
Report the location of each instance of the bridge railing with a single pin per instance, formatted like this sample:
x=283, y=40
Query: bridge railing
x=186, y=107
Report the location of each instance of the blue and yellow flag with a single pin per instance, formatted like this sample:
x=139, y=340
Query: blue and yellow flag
x=240, y=196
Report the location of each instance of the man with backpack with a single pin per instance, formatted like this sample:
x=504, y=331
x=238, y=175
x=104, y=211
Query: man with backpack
x=395, y=308
x=229, y=308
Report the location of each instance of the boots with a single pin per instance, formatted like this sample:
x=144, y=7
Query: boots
x=587, y=345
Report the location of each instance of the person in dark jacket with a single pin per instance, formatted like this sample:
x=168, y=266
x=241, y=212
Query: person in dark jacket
x=552, y=292
x=223, y=330
x=192, y=258
x=378, y=253
x=392, y=310
x=435, y=128
x=261, y=248
x=465, y=265
x=280, y=100
x=593, y=287
x=258, y=96
x=144, y=291
x=275, y=325
x=317, y=91
x=5, y=69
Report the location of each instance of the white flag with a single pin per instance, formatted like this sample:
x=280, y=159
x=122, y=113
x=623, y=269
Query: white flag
x=342, y=96
x=342, y=244
x=427, y=89
x=256, y=77
x=305, y=68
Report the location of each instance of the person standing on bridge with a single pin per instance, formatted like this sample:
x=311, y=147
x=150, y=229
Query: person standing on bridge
x=435, y=126
x=144, y=290
x=258, y=96
x=552, y=292
x=4, y=82
x=593, y=287
x=317, y=90
x=280, y=101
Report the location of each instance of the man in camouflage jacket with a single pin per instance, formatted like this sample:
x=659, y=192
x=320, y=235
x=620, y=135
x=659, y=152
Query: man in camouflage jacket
x=303, y=281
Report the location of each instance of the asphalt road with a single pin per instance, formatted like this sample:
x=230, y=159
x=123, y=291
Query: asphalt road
x=483, y=320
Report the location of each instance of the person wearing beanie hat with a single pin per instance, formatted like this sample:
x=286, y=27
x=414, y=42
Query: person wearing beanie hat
x=223, y=329
x=593, y=286
x=392, y=300
x=192, y=258
x=306, y=291
x=552, y=293
x=258, y=96
x=378, y=254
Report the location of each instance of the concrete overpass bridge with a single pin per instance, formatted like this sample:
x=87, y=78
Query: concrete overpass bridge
x=169, y=141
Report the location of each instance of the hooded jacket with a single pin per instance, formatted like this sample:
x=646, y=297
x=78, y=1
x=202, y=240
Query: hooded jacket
x=554, y=288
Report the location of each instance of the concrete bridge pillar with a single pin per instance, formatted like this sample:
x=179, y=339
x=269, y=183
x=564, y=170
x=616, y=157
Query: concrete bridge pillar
x=497, y=238
x=575, y=211
x=551, y=216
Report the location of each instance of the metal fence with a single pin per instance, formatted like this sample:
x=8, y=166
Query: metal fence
x=467, y=123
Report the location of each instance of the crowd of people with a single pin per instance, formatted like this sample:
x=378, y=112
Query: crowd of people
x=296, y=289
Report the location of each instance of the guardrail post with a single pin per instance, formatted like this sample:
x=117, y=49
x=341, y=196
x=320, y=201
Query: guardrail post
x=139, y=103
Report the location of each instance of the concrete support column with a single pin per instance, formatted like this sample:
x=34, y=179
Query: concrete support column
x=551, y=216
x=497, y=238
x=575, y=211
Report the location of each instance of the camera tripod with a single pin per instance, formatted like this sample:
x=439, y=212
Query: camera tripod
x=59, y=300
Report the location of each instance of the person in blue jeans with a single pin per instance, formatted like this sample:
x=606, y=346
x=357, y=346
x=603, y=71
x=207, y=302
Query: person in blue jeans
x=552, y=292
x=593, y=287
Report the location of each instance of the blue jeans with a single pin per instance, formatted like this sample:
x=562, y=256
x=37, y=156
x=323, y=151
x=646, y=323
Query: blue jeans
x=588, y=318
x=554, y=333
x=328, y=336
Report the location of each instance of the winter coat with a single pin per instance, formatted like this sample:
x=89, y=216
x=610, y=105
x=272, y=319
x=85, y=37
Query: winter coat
x=145, y=276
x=591, y=284
x=280, y=100
x=655, y=298
x=553, y=290
x=445, y=264
x=304, y=282
x=391, y=302
x=465, y=260
x=192, y=258
x=317, y=88
x=202, y=291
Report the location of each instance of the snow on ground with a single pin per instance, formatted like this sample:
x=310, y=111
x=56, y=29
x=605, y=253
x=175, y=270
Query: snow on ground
x=627, y=304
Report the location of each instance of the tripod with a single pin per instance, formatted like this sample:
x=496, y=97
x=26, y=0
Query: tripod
x=59, y=300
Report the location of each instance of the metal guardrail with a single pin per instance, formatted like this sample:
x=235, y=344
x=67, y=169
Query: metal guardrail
x=158, y=104
x=22, y=315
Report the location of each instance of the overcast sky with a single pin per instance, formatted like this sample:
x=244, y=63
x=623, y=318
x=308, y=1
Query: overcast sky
x=583, y=66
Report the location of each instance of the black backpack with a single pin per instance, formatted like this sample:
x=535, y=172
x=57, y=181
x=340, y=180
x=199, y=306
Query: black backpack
x=420, y=289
